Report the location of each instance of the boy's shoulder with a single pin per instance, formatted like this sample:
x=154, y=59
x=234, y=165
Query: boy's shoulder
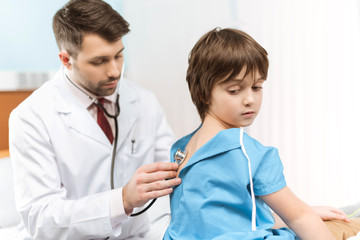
x=226, y=140
x=181, y=143
x=254, y=144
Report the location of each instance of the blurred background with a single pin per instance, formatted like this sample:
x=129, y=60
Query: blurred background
x=311, y=97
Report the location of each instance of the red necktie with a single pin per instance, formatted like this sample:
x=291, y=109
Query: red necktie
x=103, y=122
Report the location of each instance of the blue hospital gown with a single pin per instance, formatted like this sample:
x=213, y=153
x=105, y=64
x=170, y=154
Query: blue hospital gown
x=214, y=201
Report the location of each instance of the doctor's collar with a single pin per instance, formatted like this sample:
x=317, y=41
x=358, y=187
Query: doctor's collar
x=79, y=91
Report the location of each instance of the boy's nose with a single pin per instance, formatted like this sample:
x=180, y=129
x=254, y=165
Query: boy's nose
x=248, y=98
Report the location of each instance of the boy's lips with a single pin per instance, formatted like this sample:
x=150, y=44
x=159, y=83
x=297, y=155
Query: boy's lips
x=249, y=113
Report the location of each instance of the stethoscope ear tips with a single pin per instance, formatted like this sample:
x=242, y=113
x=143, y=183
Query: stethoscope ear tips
x=180, y=156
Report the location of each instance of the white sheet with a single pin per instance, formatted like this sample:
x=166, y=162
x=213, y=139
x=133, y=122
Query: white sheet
x=9, y=215
x=8, y=233
x=357, y=237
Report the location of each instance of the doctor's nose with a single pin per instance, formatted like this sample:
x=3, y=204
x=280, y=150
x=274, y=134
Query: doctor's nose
x=113, y=69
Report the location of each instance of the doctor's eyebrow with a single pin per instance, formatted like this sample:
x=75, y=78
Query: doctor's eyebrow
x=101, y=57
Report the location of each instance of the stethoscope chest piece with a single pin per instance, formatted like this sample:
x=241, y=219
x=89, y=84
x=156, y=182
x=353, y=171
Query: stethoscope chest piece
x=180, y=156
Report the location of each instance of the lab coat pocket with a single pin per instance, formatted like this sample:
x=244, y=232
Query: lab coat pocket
x=136, y=152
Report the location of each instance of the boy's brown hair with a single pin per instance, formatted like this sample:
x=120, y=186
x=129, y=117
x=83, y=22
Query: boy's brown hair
x=218, y=57
x=80, y=17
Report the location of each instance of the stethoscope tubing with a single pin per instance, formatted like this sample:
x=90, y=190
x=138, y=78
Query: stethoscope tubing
x=116, y=138
x=114, y=151
x=113, y=154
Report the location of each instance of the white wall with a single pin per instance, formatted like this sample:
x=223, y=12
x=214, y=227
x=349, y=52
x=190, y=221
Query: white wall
x=310, y=110
x=162, y=35
x=27, y=42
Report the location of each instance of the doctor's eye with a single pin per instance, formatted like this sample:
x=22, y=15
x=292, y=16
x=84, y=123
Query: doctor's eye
x=118, y=56
x=97, y=63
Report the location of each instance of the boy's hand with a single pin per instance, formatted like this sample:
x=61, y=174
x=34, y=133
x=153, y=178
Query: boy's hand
x=330, y=213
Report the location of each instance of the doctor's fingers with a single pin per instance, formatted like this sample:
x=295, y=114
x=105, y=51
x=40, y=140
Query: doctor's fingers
x=155, y=176
x=159, y=166
x=160, y=185
x=149, y=191
x=158, y=193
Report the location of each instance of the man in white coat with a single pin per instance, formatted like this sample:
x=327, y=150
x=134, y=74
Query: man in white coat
x=61, y=156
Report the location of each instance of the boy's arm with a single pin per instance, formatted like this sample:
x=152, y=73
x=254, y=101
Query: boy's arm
x=324, y=212
x=297, y=215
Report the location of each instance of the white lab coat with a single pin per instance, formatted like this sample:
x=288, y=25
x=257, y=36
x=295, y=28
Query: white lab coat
x=62, y=160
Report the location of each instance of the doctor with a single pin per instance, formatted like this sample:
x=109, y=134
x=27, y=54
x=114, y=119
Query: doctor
x=62, y=152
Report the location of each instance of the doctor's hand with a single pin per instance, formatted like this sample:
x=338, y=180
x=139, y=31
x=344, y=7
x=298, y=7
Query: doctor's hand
x=149, y=182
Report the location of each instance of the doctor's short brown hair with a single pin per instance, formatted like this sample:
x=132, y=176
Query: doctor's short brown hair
x=80, y=17
x=219, y=56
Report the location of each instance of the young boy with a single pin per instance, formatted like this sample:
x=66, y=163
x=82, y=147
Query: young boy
x=228, y=178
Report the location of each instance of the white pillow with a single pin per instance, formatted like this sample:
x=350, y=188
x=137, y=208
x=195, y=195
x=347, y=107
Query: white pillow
x=9, y=216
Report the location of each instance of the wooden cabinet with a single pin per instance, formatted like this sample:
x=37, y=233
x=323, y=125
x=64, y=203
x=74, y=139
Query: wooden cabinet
x=8, y=101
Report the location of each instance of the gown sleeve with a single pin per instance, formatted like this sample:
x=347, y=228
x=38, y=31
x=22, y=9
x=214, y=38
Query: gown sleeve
x=268, y=177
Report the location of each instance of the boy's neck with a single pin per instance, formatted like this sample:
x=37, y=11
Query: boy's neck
x=212, y=125
x=209, y=128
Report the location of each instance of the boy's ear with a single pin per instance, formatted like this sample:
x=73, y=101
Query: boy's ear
x=207, y=102
x=65, y=59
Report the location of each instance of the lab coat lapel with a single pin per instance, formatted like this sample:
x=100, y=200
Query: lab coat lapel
x=75, y=115
x=82, y=122
x=129, y=111
x=78, y=118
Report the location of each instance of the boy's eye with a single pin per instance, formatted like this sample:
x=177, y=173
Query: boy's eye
x=234, y=91
x=256, y=88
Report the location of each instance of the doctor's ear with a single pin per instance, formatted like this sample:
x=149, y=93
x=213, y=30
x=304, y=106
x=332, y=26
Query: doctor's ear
x=65, y=59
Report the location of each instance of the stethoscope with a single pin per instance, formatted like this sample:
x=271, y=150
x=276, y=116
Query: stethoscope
x=114, y=117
